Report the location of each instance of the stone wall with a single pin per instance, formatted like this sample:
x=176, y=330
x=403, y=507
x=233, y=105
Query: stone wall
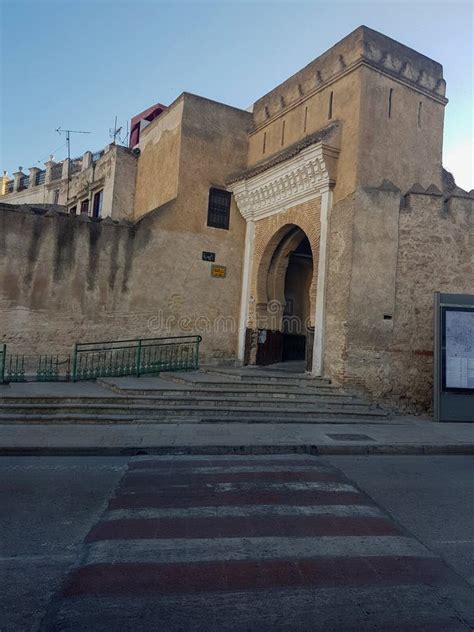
x=64, y=279
x=158, y=164
x=388, y=255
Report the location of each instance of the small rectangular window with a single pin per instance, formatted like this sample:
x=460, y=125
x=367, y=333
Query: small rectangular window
x=218, y=211
x=56, y=196
x=97, y=204
x=85, y=207
x=73, y=209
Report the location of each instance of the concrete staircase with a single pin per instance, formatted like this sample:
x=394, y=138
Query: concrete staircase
x=210, y=395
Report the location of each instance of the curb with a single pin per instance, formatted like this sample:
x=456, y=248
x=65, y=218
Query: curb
x=317, y=450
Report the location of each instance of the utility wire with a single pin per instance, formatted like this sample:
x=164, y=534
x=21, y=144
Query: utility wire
x=52, y=152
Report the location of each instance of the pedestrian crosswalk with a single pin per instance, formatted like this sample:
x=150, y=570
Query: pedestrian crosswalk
x=250, y=543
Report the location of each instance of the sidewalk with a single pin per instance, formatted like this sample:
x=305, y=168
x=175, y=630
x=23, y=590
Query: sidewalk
x=398, y=436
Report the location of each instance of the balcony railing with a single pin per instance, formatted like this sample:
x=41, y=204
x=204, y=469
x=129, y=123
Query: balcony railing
x=24, y=182
x=10, y=186
x=97, y=155
x=40, y=177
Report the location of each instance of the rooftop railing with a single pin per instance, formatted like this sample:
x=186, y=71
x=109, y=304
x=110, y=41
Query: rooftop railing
x=40, y=177
x=24, y=182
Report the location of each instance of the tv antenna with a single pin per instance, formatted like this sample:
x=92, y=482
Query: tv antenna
x=68, y=133
x=114, y=133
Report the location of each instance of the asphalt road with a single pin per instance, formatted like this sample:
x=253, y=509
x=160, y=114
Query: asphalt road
x=432, y=497
x=49, y=505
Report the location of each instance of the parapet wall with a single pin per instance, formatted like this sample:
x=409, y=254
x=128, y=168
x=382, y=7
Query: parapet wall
x=362, y=46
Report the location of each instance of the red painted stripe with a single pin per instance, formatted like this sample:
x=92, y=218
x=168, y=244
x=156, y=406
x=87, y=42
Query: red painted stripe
x=121, y=579
x=191, y=463
x=155, y=479
x=241, y=527
x=204, y=498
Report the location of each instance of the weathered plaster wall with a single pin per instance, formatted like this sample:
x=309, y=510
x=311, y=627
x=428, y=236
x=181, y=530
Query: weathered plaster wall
x=63, y=279
x=338, y=286
x=158, y=163
x=379, y=326
x=35, y=195
x=403, y=145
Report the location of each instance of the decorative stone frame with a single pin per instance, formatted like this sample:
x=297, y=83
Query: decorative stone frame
x=308, y=175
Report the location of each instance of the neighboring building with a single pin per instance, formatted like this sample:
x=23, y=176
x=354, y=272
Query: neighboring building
x=140, y=121
x=317, y=226
x=100, y=184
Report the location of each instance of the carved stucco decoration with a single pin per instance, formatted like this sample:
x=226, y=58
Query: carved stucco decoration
x=299, y=179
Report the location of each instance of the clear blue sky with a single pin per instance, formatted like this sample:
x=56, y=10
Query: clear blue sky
x=79, y=63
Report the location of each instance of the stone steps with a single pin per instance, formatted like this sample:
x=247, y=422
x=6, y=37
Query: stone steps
x=196, y=397
x=266, y=375
x=109, y=413
x=192, y=403
x=222, y=388
x=196, y=401
x=222, y=381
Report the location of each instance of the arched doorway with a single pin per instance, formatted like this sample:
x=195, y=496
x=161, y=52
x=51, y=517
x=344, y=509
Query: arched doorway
x=285, y=298
x=296, y=313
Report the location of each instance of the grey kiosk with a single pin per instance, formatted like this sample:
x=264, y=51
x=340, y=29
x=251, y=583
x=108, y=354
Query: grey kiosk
x=454, y=357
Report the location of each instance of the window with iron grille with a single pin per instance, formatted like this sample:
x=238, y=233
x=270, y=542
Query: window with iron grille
x=219, y=209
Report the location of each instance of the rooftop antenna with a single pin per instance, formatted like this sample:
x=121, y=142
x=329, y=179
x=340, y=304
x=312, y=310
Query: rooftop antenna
x=68, y=132
x=114, y=133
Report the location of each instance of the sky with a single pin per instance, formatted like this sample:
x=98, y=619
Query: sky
x=78, y=64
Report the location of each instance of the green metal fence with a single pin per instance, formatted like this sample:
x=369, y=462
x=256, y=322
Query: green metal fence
x=135, y=357
x=3, y=353
x=102, y=359
x=14, y=368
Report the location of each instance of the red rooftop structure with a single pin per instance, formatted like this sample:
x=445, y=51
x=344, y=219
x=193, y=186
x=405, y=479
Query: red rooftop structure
x=138, y=122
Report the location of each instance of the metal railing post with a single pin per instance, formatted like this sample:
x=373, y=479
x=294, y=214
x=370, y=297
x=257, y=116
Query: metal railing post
x=197, y=351
x=139, y=357
x=74, y=363
x=3, y=354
